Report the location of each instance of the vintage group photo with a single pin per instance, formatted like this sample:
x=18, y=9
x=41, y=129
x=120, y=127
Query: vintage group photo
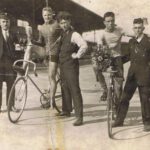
x=74, y=75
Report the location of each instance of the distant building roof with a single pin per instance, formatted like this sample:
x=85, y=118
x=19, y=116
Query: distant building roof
x=84, y=19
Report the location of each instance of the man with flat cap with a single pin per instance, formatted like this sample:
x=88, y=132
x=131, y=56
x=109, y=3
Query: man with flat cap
x=72, y=47
x=7, y=55
x=138, y=76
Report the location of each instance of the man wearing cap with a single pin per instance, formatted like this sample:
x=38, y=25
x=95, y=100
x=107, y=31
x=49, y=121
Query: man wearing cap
x=138, y=76
x=72, y=47
x=7, y=55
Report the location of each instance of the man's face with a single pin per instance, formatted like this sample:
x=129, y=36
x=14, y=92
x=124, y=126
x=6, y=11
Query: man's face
x=5, y=24
x=109, y=23
x=65, y=24
x=138, y=29
x=47, y=16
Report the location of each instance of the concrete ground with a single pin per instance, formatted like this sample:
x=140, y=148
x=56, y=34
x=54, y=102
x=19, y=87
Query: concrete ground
x=40, y=129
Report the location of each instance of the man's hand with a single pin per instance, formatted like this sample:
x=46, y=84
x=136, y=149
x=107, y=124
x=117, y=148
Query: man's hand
x=74, y=55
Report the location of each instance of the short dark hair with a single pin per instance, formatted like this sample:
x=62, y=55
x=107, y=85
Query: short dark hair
x=138, y=21
x=4, y=15
x=63, y=15
x=109, y=14
x=49, y=9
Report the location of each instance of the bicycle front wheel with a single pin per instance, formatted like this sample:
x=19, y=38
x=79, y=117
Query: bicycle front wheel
x=110, y=111
x=17, y=99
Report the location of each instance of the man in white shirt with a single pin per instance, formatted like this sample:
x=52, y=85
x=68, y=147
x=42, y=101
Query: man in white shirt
x=109, y=40
x=72, y=47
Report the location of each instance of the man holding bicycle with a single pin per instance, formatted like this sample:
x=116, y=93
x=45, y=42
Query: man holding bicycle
x=49, y=35
x=109, y=41
x=138, y=76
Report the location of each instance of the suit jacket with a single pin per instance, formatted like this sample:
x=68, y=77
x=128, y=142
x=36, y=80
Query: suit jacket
x=139, y=55
x=11, y=44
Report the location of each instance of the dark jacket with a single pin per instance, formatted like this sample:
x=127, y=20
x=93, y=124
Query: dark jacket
x=67, y=48
x=11, y=44
x=139, y=55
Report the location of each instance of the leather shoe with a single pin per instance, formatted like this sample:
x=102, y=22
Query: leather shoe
x=14, y=109
x=78, y=122
x=66, y=114
x=146, y=128
x=117, y=123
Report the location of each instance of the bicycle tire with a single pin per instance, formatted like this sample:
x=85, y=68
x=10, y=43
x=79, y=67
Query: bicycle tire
x=57, y=104
x=109, y=111
x=19, y=94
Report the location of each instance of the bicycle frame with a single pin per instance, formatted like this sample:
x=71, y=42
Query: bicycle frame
x=26, y=76
x=36, y=86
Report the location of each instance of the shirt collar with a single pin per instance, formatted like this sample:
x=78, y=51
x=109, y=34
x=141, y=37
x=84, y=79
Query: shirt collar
x=139, y=38
x=5, y=31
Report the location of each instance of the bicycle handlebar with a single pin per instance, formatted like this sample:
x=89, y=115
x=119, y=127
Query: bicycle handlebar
x=29, y=62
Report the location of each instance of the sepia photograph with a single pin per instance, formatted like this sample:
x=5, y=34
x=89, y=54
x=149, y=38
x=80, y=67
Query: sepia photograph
x=74, y=75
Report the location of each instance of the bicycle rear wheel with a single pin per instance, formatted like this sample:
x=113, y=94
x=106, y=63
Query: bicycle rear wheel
x=17, y=98
x=110, y=111
x=57, y=104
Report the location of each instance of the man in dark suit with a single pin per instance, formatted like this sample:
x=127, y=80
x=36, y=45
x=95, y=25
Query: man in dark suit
x=7, y=55
x=138, y=76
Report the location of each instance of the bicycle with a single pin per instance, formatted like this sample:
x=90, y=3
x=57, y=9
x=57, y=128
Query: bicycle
x=19, y=92
x=111, y=100
x=104, y=61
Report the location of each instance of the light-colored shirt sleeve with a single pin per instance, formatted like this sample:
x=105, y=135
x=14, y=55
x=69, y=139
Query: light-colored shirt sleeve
x=81, y=43
x=100, y=37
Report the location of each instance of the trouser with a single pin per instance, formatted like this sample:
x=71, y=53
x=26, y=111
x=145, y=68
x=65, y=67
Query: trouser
x=100, y=77
x=71, y=89
x=118, y=80
x=6, y=75
x=144, y=93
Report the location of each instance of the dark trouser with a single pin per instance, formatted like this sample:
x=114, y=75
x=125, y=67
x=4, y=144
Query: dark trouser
x=71, y=89
x=129, y=89
x=6, y=75
x=118, y=79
